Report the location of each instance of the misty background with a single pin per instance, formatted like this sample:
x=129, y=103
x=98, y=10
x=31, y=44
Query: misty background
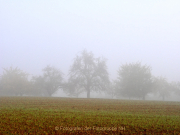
x=34, y=34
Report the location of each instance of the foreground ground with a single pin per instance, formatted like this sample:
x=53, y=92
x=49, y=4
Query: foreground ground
x=33, y=115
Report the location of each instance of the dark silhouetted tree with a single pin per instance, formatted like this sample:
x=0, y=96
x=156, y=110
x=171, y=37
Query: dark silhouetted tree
x=89, y=73
x=134, y=80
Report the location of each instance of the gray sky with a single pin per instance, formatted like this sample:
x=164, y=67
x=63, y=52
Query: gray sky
x=35, y=33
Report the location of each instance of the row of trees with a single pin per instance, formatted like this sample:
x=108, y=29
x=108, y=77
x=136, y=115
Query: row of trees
x=136, y=81
x=15, y=82
x=87, y=73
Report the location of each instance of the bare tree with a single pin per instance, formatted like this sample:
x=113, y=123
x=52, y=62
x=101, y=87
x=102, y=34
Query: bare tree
x=89, y=73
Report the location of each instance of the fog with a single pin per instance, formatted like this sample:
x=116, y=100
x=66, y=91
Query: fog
x=34, y=34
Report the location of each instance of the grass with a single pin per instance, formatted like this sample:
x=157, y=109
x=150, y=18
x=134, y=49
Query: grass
x=42, y=115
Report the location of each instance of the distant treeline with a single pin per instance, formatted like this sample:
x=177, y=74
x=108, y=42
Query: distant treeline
x=88, y=73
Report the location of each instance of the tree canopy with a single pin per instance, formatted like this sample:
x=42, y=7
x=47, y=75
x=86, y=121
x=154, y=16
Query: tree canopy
x=14, y=82
x=134, y=80
x=52, y=79
x=162, y=87
x=38, y=86
x=86, y=74
x=89, y=73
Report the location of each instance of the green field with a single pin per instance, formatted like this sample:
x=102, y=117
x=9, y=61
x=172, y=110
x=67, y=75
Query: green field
x=33, y=115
